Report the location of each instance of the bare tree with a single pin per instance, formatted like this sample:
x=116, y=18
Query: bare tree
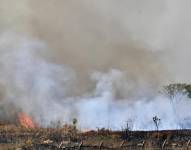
x=127, y=130
x=156, y=121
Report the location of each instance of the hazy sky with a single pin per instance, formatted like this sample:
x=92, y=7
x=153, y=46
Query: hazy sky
x=104, y=34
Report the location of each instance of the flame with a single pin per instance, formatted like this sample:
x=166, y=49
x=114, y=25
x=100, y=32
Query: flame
x=26, y=121
x=87, y=131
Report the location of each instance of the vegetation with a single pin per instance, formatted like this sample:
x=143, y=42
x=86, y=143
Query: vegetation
x=57, y=138
x=156, y=121
x=172, y=90
x=68, y=135
x=74, y=123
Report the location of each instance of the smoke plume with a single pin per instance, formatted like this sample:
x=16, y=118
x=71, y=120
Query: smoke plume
x=101, y=62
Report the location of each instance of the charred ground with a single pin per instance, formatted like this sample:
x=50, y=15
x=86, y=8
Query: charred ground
x=68, y=137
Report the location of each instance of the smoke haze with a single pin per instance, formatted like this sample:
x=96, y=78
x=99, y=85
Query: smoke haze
x=100, y=61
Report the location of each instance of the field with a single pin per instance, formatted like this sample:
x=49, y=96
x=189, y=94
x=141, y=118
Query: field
x=68, y=137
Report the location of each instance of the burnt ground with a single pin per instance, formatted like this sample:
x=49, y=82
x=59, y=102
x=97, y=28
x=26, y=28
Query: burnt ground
x=15, y=137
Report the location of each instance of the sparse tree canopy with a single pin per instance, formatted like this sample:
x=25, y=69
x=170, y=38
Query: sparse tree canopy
x=172, y=89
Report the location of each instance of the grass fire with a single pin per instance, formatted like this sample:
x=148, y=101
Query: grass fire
x=26, y=121
x=95, y=74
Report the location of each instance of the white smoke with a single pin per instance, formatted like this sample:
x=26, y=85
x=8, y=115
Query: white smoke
x=43, y=90
x=31, y=83
x=105, y=110
x=100, y=61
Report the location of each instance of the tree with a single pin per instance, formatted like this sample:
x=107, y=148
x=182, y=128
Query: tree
x=156, y=121
x=127, y=130
x=74, y=123
x=172, y=90
x=176, y=93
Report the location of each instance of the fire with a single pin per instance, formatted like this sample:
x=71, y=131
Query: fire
x=88, y=131
x=26, y=121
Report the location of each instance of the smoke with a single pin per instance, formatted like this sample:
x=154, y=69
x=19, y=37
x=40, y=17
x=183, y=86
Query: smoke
x=101, y=62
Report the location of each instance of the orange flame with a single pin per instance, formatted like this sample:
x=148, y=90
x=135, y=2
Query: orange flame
x=26, y=121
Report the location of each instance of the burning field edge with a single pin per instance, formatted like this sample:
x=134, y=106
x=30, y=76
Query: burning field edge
x=69, y=137
x=26, y=134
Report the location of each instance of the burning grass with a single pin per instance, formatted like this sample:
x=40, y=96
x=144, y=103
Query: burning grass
x=26, y=121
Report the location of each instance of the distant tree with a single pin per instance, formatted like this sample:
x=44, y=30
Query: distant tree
x=127, y=130
x=156, y=121
x=74, y=123
x=176, y=93
x=129, y=124
x=172, y=90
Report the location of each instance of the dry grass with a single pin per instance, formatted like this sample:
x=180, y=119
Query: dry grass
x=17, y=136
